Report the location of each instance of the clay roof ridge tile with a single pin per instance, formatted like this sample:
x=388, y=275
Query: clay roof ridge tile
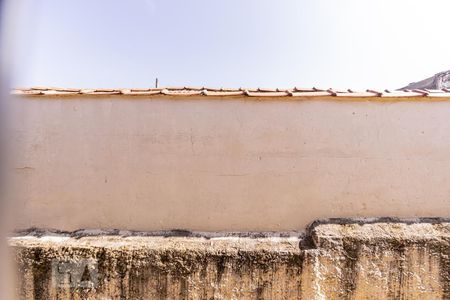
x=332, y=92
x=230, y=92
x=375, y=92
x=421, y=91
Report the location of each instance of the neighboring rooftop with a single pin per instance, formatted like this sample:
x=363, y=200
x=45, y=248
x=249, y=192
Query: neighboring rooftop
x=225, y=92
x=439, y=81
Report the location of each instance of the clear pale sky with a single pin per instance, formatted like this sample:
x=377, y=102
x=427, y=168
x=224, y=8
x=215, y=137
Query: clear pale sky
x=231, y=43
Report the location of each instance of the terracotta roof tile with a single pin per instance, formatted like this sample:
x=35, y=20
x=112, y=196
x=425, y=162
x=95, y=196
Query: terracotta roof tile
x=267, y=94
x=403, y=94
x=358, y=94
x=210, y=92
x=311, y=94
x=59, y=92
x=181, y=92
x=299, y=89
x=28, y=92
x=297, y=92
x=40, y=88
x=140, y=92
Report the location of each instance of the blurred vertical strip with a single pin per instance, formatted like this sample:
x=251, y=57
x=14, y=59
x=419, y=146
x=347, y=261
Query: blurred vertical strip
x=6, y=283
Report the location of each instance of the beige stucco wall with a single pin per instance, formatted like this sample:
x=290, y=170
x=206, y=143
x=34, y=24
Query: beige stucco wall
x=227, y=164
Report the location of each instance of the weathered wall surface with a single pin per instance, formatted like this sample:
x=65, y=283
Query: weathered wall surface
x=351, y=261
x=227, y=164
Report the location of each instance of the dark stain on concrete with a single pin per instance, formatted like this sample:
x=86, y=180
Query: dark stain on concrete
x=444, y=266
x=350, y=270
x=41, y=274
x=220, y=266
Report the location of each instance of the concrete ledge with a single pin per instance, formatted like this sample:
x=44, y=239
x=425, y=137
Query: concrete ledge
x=359, y=260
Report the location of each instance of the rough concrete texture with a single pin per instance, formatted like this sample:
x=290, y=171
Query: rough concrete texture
x=346, y=260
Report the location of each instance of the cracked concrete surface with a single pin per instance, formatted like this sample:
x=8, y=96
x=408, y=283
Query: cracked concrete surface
x=373, y=259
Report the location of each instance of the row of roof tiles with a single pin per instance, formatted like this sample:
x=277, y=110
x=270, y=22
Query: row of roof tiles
x=224, y=92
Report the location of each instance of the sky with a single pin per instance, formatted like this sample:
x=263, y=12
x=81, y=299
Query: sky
x=356, y=44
